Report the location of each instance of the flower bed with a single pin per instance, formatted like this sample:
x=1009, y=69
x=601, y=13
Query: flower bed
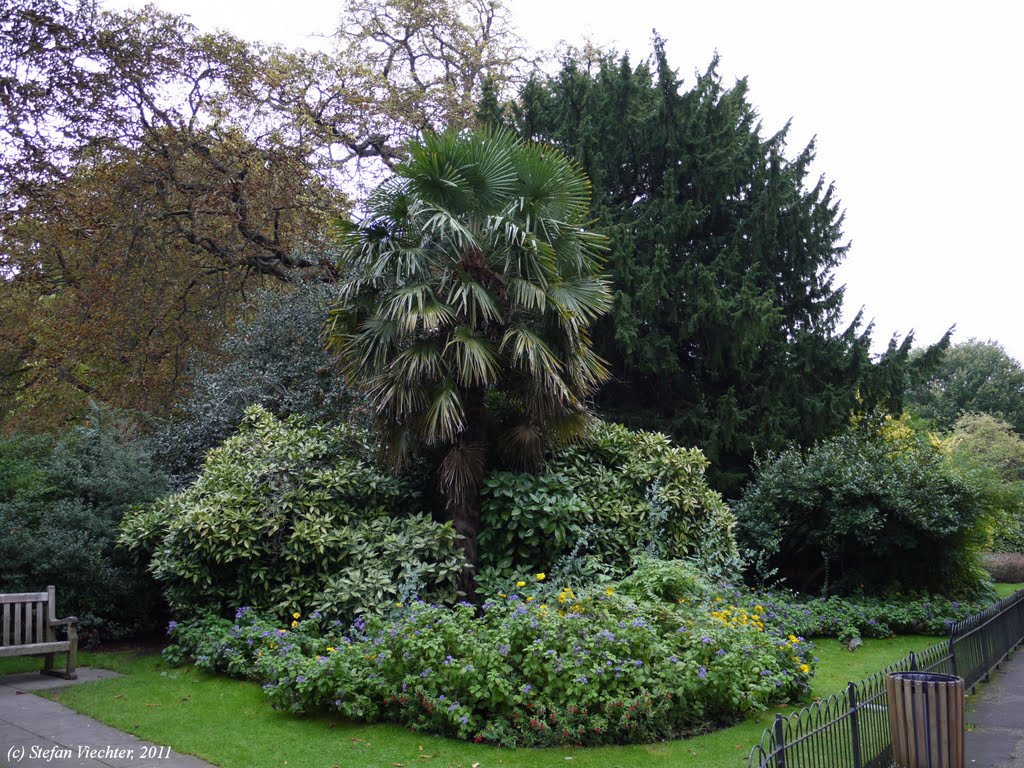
x=547, y=667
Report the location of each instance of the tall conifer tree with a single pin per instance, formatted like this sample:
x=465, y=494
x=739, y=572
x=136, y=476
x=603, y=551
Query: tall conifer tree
x=725, y=331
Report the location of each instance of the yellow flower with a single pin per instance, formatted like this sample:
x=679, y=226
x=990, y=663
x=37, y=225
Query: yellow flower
x=296, y=615
x=610, y=591
x=520, y=583
x=331, y=649
x=758, y=609
x=541, y=576
x=804, y=668
x=529, y=599
x=398, y=605
x=295, y=624
x=502, y=594
x=718, y=599
x=793, y=640
x=562, y=597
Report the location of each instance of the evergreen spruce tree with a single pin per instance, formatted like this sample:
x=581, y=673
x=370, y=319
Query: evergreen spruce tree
x=725, y=331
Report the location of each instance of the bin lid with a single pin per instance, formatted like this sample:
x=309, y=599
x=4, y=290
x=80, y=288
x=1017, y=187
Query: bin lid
x=925, y=677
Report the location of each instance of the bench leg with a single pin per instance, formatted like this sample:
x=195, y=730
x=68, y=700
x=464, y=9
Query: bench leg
x=72, y=654
x=48, y=664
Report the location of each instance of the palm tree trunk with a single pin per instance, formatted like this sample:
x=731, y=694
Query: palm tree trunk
x=466, y=518
x=465, y=505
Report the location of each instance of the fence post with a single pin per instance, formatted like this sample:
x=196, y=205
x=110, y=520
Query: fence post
x=952, y=650
x=913, y=663
x=780, y=741
x=851, y=689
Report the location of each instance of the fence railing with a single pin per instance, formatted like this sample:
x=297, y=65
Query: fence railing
x=851, y=729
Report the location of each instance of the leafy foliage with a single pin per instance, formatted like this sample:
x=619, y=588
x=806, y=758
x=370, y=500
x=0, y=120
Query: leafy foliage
x=61, y=500
x=469, y=288
x=725, y=329
x=273, y=357
x=992, y=454
x=286, y=517
x=599, y=500
x=858, y=615
x=975, y=377
x=858, y=510
x=529, y=670
x=144, y=158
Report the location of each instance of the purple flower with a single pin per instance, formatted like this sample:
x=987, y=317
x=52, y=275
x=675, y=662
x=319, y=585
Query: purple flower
x=503, y=650
x=720, y=652
x=171, y=626
x=463, y=719
x=241, y=611
x=426, y=673
x=706, y=640
x=527, y=688
x=702, y=673
x=300, y=679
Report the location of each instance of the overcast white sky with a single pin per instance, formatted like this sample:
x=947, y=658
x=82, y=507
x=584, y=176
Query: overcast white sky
x=916, y=107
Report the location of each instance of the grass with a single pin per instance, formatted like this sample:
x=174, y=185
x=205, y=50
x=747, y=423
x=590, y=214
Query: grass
x=229, y=722
x=1005, y=590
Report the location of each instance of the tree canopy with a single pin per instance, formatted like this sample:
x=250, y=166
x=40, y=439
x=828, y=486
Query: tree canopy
x=973, y=377
x=144, y=158
x=725, y=331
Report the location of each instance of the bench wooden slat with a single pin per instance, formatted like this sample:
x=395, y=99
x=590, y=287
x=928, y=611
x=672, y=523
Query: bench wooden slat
x=37, y=636
x=35, y=650
x=21, y=597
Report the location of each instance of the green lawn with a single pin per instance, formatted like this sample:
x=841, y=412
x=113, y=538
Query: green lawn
x=1004, y=590
x=230, y=723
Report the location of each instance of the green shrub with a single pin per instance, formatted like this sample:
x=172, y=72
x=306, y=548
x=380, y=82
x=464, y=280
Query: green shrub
x=62, y=498
x=877, y=507
x=540, y=668
x=286, y=517
x=272, y=357
x=600, y=503
x=992, y=455
x=856, y=615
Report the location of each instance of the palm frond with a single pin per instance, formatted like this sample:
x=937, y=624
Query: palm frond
x=462, y=469
x=417, y=305
x=474, y=357
x=523, y=446
x=443, y=416
x=582, y=297
x=473, y=301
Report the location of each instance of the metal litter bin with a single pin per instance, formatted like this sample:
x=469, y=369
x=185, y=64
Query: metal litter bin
x=926, y=719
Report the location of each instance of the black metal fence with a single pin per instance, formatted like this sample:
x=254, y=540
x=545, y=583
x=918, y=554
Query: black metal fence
x=851, y=728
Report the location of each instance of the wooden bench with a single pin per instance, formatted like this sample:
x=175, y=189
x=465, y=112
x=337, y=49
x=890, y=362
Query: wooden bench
x=30, y=629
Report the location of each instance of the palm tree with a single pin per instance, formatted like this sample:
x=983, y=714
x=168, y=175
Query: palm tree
x=470, y=284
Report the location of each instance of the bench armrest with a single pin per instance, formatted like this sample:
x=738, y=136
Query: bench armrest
x=70, y=621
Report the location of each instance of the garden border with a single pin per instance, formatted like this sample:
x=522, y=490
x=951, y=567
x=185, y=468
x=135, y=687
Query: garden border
x=850, y=729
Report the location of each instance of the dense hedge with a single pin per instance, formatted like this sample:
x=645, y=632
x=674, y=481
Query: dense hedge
x=598, y=504
x=62, y=498
x=878, y=507
x=285, y=516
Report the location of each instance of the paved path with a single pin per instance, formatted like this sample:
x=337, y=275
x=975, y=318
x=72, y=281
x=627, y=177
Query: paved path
x=997, y=714
x=36, y=732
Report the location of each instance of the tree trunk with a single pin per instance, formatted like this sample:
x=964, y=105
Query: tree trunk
x=464, y=494
x=466, y=517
